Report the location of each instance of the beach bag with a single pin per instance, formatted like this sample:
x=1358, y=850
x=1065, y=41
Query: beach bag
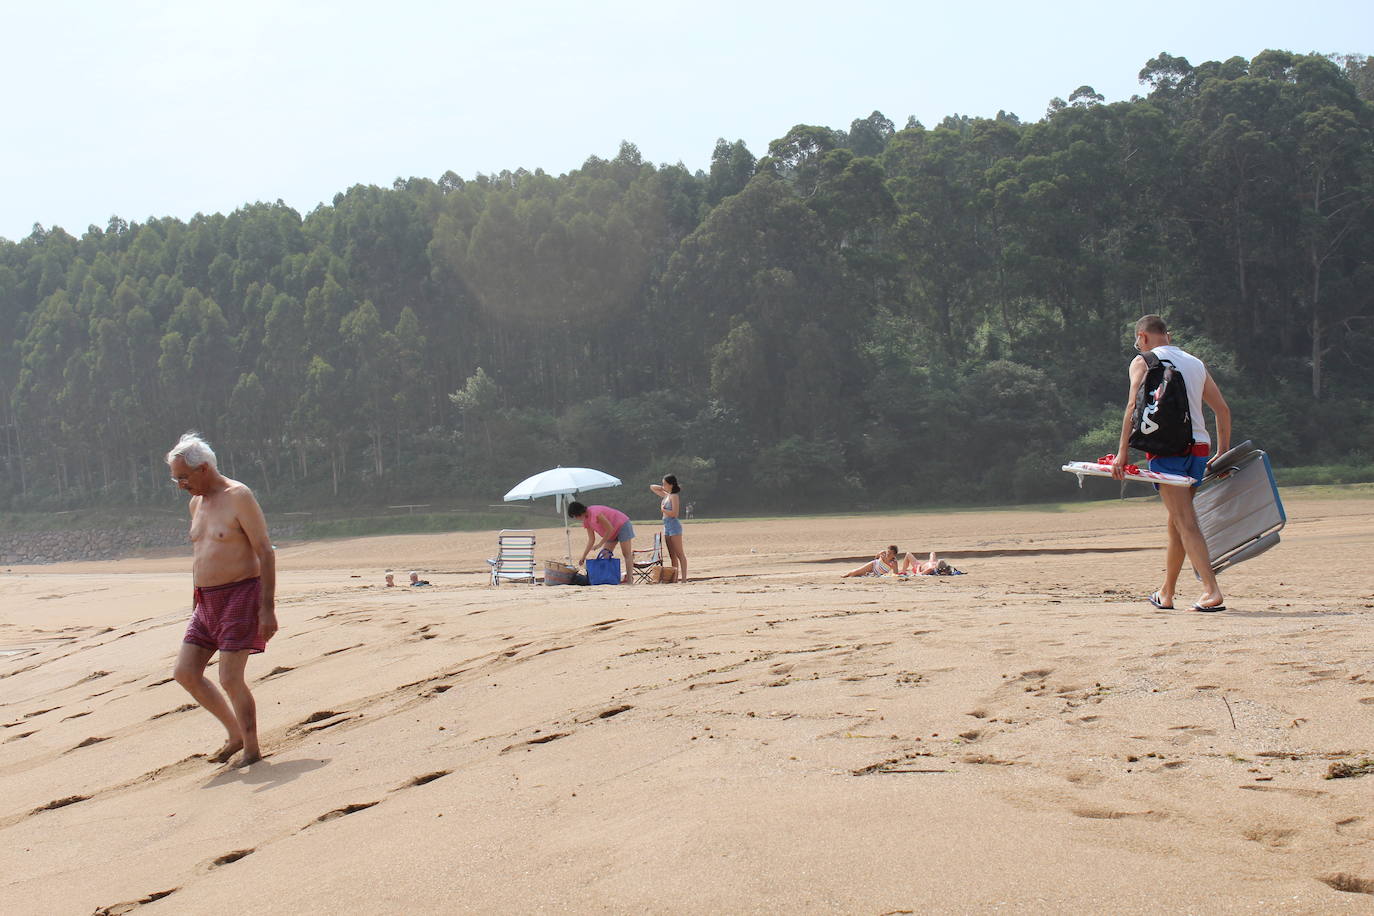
x=1162, y=423
x=556, y=573
x=604, y=571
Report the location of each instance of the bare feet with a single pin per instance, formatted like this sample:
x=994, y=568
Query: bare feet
x=250, y=757
x=230, y=748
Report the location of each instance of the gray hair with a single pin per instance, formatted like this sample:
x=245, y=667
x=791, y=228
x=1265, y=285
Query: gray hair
x=193, y=450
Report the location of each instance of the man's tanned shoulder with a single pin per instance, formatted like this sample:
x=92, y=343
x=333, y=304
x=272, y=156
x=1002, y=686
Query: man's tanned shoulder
x=238, y=489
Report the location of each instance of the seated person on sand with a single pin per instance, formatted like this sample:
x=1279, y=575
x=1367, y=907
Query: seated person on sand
x=885, y=563
x=933, y=566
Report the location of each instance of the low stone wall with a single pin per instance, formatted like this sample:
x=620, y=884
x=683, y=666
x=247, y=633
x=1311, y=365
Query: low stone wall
x=22, y=548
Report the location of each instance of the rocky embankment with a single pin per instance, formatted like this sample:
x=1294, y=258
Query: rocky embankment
x=21, y=548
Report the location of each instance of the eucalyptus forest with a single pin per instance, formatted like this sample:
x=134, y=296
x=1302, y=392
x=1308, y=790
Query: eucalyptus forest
x=878, y=315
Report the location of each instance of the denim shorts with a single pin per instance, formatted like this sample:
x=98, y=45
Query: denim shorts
x=1194, y=466
x=672, y=526
x=626, y=532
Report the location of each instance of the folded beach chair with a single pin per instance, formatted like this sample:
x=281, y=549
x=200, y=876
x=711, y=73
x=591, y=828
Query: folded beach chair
x=514, y=560
x=647, y=559
x=1238, y=507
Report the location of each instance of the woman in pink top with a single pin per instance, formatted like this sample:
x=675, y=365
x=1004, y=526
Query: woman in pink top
x=614, y=527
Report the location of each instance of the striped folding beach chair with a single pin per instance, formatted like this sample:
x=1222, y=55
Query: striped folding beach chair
x=514, y=560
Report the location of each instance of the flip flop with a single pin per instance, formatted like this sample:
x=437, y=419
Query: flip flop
x=1207, y=610
x=1159, y=602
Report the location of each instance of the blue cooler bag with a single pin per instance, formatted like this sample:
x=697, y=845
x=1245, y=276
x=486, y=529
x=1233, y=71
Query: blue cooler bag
x=604, y=572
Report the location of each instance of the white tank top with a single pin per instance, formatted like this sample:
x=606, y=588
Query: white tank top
x=1195, y=377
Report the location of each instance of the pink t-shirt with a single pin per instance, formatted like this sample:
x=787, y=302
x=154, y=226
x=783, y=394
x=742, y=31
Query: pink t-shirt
x=615, y=517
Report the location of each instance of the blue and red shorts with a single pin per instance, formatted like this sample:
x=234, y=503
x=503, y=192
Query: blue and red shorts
x=1193, y=464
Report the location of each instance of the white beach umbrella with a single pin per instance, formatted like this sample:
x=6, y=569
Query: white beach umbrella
x=561, y=483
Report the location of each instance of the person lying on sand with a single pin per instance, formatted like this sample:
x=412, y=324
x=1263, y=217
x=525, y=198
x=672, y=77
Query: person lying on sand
x=883, y=564
x=931, y=566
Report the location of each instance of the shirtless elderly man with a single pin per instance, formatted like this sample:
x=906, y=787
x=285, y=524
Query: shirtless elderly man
x=235, y=577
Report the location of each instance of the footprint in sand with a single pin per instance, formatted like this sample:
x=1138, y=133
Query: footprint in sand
x=325, y=718
x=60, y=803
x=1269, y=835
x=1350, y=884
x=118, y=909
x=342, y=812
x=1186, y=733
x=229, y=857
x=423, y=780
x=1111, y=814
x=319, y=717
x=542, y=739
x=986, y=760
x=94, y=739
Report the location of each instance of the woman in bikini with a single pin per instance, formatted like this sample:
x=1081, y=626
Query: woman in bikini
x=885, y=563
x=933, y=566
x=670, y=495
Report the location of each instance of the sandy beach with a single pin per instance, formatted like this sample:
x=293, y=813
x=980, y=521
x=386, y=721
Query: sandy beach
x=1032, y=737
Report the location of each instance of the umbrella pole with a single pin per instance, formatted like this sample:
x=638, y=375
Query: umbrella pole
x=561, y=501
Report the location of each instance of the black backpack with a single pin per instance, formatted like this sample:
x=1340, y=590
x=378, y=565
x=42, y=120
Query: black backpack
x=1162, y=423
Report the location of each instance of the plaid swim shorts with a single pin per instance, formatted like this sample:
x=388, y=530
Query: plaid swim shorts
x=226, y=617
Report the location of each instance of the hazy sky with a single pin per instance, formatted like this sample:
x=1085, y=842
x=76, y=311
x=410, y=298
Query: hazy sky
x=169, y=108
